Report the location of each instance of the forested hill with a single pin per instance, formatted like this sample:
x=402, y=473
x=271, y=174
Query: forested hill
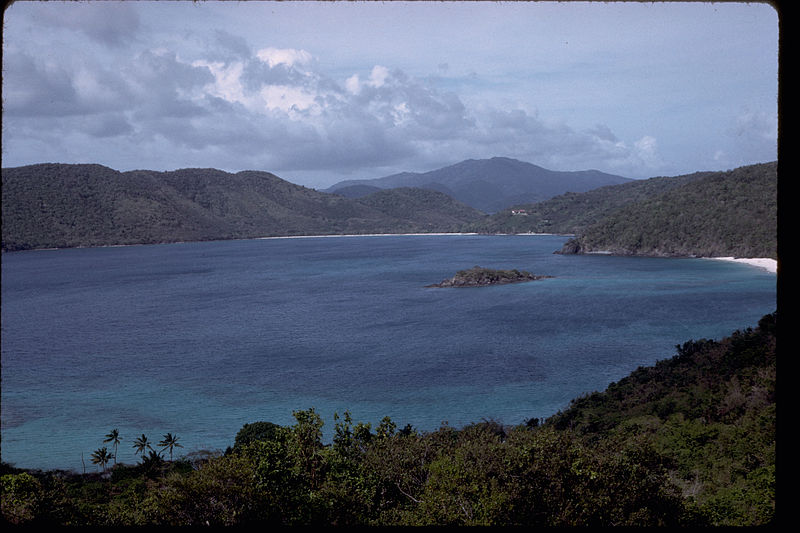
x=709, y=411
x=60, y=205
x=730, y=213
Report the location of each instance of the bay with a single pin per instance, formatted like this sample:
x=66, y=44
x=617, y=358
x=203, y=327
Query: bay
x=197, y=339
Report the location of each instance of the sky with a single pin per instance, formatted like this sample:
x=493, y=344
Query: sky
x=320, y=92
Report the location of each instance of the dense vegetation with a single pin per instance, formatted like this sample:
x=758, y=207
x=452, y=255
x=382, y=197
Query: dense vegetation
x=57, y=206
x=572, y=212
x=479, y=276
x=731, y=213
x=688, y=441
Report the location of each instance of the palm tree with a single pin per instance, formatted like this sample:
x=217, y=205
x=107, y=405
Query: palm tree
x=141, y=444
x=102, y=457
x=169, y=442
x=113, y=438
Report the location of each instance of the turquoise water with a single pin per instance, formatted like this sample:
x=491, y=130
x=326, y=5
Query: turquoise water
x=197, y=339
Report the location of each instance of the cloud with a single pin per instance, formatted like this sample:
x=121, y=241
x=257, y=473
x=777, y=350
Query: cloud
x=647, y=152
x=32, y=88
x=751, y=136
x=275, y=109
x=108, y=23
x=756, y=128
x=283, y=56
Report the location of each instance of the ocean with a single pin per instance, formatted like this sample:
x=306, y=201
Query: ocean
x=197, y=339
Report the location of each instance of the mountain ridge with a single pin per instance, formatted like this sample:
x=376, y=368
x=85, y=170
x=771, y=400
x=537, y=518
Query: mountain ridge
x=493, y=184
x=708, y=213
x=53, y=205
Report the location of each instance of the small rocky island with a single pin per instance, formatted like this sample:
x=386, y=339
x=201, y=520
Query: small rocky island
x=481, y=277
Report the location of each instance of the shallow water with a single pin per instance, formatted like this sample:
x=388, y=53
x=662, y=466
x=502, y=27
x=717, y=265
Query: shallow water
x=198, y=339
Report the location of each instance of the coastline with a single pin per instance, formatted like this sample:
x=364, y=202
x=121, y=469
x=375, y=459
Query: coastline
x=393, y=235
x=325, y=235
x=770, y=265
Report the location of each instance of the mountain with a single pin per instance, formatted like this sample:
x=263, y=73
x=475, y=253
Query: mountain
x=730, y=213
x=493, y=184
x=357, y=191
x=719, y=213
x=572, y=212
x=58, y=205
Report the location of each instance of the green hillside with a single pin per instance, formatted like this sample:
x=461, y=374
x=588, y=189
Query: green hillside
x=732, y=213
x=572, y=212
x=710, y=412
x=56, y=205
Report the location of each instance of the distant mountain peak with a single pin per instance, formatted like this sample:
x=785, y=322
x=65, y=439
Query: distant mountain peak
x=493, y=184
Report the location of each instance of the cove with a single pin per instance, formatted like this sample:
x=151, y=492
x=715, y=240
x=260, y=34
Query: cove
x=198, y=339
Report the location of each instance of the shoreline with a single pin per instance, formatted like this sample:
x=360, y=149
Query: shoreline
x=770, y=265
x=396, y=235
x=356, y=235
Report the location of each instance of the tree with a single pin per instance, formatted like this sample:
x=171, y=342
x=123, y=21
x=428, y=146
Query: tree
x=102, y=457
x=170, y=441
x=254, y=432
x=22, y=498
x=141, y=445
x=113, y=438
x=306, y=444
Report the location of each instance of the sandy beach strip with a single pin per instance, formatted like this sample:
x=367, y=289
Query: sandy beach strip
x=527, y=234
x=770, y=265
x=358, y=235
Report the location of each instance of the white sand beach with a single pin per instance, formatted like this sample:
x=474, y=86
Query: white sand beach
x=359, y=235
x=766, y=263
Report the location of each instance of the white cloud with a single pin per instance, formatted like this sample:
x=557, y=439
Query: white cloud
x=759, y=127
x=377, y=77
x=353, y=84
x=288, y=98
x=227, y=82
x=277, y=117
x=647, y=151
x=283, y=56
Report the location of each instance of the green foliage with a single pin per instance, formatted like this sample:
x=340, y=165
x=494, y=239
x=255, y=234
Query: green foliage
x=142, y=445
x=170, y=442
x=254, y=432
x=21, y=498
x=114, y=438
x=573, y=212
x=710, y=411
x=101, y=457
x=730, y=213
x=479, y=276
x=222, y=493
x=59, y=206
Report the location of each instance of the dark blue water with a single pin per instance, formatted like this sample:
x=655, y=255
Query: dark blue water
x=198, y=339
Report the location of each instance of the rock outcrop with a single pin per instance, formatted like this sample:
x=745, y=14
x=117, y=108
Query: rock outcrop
x=481, y=277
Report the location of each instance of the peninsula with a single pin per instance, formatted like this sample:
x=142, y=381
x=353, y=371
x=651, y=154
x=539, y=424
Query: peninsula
x=481, y=277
